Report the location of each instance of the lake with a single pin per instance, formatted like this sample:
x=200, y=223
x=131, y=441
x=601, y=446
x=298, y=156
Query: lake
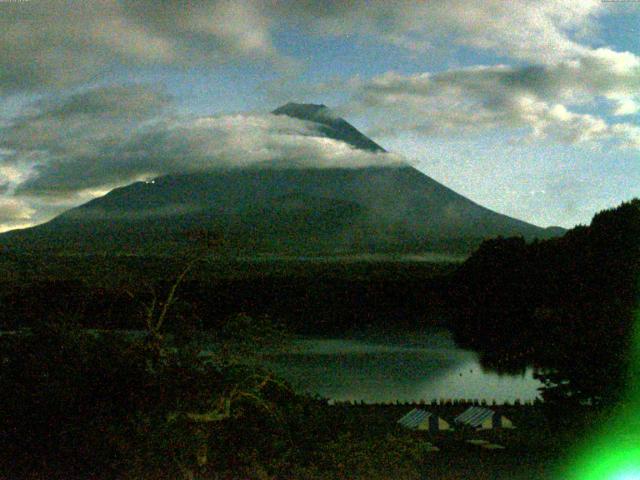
x=380, y=367
x=406, y=367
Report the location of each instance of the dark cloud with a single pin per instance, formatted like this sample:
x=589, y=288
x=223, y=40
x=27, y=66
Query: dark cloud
x=84, y=121
x=133, y=101
x=58, y=43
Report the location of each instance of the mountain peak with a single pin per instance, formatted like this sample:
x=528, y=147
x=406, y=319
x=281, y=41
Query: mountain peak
x=329, y=124
x=303, y=111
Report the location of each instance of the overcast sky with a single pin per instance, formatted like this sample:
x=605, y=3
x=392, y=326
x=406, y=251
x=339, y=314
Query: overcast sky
x=528, y=108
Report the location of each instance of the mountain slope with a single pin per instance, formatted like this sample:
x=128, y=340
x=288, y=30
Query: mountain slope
x=330, y=125
x=288, y=211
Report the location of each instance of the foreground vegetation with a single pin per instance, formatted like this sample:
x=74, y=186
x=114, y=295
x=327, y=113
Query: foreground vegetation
x=77, y=404
x=84, y=405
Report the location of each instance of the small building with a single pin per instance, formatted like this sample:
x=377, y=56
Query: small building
x=418, y=419
x=483, y=419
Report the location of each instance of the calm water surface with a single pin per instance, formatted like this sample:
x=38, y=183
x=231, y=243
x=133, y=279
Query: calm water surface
x=407, y=367
x=383, y=367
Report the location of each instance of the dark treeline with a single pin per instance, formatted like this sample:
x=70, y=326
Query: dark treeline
x=309, y=304
x=564, y=306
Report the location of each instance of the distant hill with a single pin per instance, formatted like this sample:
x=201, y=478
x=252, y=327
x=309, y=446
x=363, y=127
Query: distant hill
x=284, y=211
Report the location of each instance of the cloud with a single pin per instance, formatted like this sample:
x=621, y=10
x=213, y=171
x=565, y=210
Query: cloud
x=14, y=213
x=59, y=43
x=106, y=137
x=547, y=30
x=550, y=101
x=83, y=122
x=195, y=145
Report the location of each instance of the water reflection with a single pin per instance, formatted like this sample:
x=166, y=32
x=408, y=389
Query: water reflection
x=409, y=367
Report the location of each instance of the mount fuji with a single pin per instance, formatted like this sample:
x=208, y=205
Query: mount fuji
x=293, y=211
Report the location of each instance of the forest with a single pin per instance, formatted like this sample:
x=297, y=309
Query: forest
x=565, y=306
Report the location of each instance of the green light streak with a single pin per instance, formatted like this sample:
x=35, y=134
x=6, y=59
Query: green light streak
x=614, y=454
x=611, y=460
